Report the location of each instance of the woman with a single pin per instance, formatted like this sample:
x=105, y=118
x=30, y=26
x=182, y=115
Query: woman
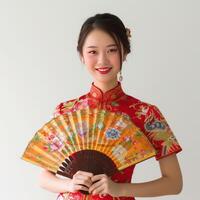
x=103, y=45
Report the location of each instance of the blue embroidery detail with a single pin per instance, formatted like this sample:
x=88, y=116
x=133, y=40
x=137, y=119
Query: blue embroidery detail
x=155, y=125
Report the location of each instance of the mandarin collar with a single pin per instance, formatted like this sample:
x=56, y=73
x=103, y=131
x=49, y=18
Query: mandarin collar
x=110, y=95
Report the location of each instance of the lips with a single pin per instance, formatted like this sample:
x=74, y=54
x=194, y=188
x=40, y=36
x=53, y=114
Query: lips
x=103, y=70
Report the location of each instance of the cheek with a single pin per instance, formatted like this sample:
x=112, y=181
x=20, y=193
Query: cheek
x=90, y=60
x=115, y=59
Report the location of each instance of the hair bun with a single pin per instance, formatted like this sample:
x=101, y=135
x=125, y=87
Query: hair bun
x=128, y=32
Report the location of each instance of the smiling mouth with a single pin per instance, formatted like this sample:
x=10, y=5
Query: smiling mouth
x=104, y=70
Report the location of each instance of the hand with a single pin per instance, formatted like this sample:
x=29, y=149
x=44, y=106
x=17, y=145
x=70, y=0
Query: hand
x=81, y=181
x=104, y=185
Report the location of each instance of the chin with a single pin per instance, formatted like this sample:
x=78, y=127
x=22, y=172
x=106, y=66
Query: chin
x=105, y=80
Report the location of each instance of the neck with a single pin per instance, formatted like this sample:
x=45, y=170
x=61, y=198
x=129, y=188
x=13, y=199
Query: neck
x=105, y=86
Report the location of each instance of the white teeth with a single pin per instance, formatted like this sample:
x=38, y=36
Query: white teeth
x=103, y=70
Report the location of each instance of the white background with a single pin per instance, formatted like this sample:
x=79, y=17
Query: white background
x=39, y=68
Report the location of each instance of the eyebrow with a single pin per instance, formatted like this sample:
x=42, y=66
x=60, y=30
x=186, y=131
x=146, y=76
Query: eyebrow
x=110, y=45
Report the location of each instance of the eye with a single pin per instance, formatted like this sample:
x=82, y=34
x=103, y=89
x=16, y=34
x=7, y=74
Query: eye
x=92, y=52
x=113, y=50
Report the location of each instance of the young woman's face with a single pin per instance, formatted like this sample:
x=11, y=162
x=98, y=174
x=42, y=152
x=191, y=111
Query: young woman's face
x=101, y=56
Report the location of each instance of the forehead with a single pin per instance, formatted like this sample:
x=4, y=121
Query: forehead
x=98, y=37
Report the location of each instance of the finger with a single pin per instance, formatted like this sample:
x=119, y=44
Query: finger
x=80, y=187
x=99, y=190
x=85, y=179
x=95, y=185
x=83, y=182
x=82, y=177
x=98, y=177
x=84, y=173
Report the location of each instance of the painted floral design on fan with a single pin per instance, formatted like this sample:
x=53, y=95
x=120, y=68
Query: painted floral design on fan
x=81, y=104
x=55, y=142
x=100, y=125
x=128, y=142
x=81, y=128
x=112, y=133
x=118, y=152
x=120, y=125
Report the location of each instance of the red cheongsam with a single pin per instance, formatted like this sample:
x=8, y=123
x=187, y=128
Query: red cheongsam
x=144, y=115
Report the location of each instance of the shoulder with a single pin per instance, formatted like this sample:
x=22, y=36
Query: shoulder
x=141, y=110
x=139, y=104
x=66, y=106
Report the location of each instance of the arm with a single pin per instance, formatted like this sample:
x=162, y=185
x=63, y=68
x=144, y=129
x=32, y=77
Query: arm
x=49, y=181
x=170, y=183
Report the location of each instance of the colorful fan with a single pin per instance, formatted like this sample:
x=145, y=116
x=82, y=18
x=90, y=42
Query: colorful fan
x=91, y=140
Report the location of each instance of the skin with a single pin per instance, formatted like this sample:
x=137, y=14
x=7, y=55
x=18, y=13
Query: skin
x=170, y=182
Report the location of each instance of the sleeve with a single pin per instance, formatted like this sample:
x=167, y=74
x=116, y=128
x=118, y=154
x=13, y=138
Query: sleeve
x=160, y=134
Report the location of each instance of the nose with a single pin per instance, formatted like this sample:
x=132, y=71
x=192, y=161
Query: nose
x=103, y=58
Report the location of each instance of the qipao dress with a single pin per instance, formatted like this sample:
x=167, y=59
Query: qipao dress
x=144, y=115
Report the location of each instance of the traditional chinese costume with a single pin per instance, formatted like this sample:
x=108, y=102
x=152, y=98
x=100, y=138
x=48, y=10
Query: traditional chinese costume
x=144, y=115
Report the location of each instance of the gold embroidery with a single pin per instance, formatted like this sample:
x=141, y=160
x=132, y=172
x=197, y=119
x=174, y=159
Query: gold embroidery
x=94, y=94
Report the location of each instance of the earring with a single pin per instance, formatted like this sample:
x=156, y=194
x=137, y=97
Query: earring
x=120, y=76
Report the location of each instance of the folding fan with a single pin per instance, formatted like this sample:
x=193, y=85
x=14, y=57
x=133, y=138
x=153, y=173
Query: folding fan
x=91, y=139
